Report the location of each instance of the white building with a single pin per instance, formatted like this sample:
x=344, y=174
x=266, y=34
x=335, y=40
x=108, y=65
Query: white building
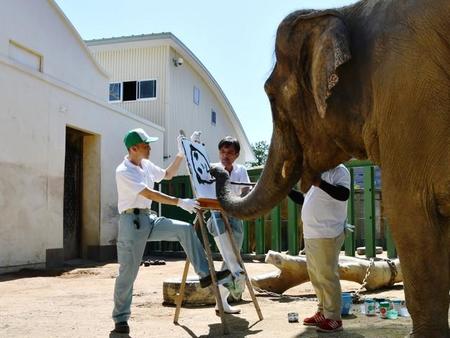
x=158, y=78
x=60, y=141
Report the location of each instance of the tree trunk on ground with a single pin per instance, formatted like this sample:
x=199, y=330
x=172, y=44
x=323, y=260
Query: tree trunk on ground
x=292, y=271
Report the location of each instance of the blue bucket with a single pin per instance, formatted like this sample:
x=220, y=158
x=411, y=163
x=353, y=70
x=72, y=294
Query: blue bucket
x=346, y=304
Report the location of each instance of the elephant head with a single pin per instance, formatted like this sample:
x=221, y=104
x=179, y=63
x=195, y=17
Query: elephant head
x=310, y=46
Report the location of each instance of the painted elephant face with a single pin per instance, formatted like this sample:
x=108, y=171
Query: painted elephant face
x=309, y=48
x=201, y=166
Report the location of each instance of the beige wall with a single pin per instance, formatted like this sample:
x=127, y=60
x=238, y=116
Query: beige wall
x=134, y=64
x=137, y=58
x=184, y=114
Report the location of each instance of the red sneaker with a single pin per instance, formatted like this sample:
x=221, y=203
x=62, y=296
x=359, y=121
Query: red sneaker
x=314, y=320
x=330, y=325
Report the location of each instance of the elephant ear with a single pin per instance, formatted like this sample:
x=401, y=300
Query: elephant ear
x=330, y=49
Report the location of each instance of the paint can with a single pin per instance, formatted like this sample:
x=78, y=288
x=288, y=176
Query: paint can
x=384, y=308
x=396, y=304
x=369, y=305
x=346, y=303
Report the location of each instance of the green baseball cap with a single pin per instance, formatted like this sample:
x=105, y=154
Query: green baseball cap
x=137, y=136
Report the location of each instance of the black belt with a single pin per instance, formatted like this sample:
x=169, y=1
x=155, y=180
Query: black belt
x=137, y=211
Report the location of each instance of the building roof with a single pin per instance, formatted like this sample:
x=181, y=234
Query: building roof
x=187, y=55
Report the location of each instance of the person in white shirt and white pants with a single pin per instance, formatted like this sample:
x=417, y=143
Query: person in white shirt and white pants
x=229, y=149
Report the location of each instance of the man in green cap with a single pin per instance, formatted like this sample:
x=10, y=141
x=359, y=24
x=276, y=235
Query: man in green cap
x=135, y=178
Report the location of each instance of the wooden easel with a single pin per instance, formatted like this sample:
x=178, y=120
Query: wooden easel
x=212, y=204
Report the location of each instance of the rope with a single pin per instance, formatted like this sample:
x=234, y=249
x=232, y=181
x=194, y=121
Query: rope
x=356, y=297
x=280, y=295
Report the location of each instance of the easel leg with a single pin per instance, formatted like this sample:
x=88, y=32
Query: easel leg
x=239, y=258
x=179, y=296
x=212, y=271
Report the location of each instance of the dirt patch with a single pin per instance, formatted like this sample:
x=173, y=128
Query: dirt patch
x=78, y=303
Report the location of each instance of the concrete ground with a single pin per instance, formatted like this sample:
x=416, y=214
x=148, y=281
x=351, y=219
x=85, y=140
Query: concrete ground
x=78, y=302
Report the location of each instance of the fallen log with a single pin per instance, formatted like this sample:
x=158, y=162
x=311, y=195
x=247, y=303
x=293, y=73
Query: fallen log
x=292, y=271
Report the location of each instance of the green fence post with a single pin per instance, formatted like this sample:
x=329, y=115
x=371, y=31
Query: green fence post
x=276, y=228
x=245, y=241
x=292, y=228
x=369, y=211
x=391, y=250
x=350, y=236
x=259, y=235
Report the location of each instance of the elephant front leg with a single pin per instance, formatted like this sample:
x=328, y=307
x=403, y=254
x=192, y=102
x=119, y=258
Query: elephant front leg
x=423, y=246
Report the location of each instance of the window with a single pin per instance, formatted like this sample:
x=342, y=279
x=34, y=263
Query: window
x=138, y=90
x=213, y=117
x=129, y=90
x=115, y=91
x=147, y=89
x=196, y=95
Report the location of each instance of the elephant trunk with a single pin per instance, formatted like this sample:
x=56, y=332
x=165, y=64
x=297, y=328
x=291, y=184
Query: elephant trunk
x=281, y=171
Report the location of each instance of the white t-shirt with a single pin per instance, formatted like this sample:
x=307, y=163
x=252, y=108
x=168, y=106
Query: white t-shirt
x=322, y=215
x=238, y=174
x=132, y=179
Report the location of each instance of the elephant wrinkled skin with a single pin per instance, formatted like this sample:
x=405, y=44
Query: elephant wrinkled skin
x=370, y=80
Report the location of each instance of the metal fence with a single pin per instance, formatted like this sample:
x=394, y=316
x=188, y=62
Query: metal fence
x=281, y=229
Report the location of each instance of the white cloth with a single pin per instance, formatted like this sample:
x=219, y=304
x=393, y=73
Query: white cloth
x=322, y=215
x=132, y=179
x=238, y=174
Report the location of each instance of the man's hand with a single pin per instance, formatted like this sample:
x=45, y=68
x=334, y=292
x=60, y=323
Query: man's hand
x=180, y=146
x=188, y=204
x=195, y=137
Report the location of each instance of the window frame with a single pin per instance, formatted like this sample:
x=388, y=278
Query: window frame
x=121, y=91
x=138, y=92
x=193, y=95
x=213, y=113
x=123, y=87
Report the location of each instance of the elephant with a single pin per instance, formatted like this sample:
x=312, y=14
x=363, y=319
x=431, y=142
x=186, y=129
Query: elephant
x=368, y=81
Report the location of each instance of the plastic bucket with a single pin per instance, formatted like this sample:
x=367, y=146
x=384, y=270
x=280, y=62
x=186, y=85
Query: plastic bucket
x=346, y=303
x=369, y=307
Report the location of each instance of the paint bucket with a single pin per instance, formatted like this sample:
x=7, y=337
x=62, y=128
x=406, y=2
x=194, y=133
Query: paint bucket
x=392, y=314
x=369, y=307
x=384, y=308
x=396, y=304
x=346, y=303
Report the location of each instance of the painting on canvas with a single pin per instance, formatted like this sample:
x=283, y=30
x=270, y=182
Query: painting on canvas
x=203, y=184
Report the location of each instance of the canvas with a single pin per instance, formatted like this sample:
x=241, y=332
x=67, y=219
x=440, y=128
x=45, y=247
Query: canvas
x=203, y=184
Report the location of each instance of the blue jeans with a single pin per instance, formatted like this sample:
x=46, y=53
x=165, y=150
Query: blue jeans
x=131, y=245
x=236, y=227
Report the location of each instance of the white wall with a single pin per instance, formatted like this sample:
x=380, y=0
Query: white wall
x=184, y=114
x=32, y=138
x=40, y=26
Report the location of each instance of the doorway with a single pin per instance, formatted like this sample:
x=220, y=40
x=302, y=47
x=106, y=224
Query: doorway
x=73, y=194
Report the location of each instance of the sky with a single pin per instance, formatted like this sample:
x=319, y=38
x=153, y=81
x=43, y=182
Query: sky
x=234, y=39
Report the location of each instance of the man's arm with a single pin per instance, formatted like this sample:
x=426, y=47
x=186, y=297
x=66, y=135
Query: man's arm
x=338, y=192
x=158, y=196
x=296, y=196
x=172, y=169
x=187, y=204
